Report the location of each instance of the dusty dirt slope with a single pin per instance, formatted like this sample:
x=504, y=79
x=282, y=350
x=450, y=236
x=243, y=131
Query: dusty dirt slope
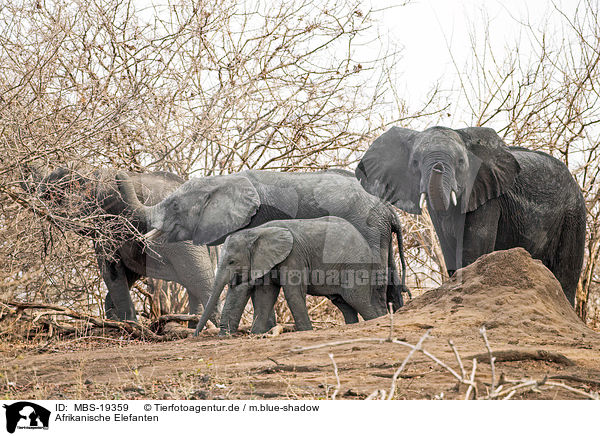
x=515, y=297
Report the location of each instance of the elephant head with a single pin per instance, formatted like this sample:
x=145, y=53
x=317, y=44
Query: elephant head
x=55, y=187
x=76, y=193
x=203, y=210
x=456, y=171
x=246, y=256
x=68, y=196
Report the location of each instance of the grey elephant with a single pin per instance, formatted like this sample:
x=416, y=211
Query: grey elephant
x=122, y=259
x=321, y=256
x=208, y=209
x=482, y=195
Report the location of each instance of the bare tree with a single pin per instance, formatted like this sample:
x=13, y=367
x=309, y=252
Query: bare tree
x=194, y=88
x=543, y=94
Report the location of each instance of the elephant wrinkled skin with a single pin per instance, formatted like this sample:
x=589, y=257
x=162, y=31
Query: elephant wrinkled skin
x=482, y=195
x=122, y=259
x=322, y=256
x=209, y=209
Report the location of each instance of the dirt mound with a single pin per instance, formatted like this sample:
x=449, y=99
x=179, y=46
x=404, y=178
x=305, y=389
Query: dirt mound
x=504, y=289
x=529, y=323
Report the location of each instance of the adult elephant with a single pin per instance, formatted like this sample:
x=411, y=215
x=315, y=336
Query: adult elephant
x=209, y=209
x=92, y=197
x=482, y=195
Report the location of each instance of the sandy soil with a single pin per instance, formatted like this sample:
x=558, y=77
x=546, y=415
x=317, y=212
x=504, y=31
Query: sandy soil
x=516, y=298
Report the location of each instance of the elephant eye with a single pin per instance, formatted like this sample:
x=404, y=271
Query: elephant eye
x=415, y=163
x=461, y=161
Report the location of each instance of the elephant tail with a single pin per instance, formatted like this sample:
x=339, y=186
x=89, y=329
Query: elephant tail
x=397, y=230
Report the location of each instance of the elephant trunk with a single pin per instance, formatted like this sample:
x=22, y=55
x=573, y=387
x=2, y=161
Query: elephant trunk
x=138, y=210
x=441, y=187
x=221, y=280
x=237, y=298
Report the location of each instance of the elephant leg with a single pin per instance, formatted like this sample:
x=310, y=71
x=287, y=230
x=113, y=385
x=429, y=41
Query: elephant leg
x=386, y=278
x=263, y=300
x=110, y=310
x=190, y=266
x=197, y=276
x=567, y=259
x=295, y=295
x=349, y=313
x=480, y=231
x=394, y=288
x=118, y=280
x=358, y=299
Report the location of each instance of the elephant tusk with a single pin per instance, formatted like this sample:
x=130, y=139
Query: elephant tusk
x=422, y=200
x=453, y=195
x=152, y=235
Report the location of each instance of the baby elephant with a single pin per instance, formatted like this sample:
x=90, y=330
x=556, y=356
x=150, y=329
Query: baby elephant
x=322, y=256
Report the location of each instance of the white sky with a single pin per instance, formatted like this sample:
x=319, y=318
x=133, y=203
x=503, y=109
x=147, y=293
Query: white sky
x=428, y=29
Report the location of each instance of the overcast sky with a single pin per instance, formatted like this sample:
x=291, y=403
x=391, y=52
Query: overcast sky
x=429, y=30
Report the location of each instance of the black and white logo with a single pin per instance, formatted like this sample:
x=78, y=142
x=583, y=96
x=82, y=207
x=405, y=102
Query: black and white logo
x=26, y=415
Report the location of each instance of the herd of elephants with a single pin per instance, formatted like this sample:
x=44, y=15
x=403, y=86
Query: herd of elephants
x=330, y=233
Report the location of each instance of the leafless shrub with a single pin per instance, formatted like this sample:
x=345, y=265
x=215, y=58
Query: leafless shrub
x=193, y=88
x=199, y=88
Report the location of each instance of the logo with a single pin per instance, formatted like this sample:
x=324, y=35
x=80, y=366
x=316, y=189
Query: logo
x=26, y=415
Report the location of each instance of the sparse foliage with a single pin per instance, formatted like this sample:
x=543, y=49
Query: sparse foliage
x=206, y=87
x=195, y=88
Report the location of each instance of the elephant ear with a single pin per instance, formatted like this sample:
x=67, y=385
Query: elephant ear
x=493, y=168
x=384, y=169
x=271, y=247
x=227, y=205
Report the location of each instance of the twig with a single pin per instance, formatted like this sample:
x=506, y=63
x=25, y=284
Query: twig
x=458, y=359
x=590, y=395
x=337, y=377
x=404, y=362
x=391, y=313
x=274, y=361
x=472, y=385
x=379, y=393
x=492, y=358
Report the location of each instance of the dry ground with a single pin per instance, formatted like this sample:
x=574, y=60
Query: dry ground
x=516, y=298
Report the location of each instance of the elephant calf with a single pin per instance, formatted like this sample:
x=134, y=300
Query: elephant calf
x=322, y=256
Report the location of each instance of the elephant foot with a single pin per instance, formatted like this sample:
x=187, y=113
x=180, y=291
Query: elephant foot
x=225, y=332
x=112, y=315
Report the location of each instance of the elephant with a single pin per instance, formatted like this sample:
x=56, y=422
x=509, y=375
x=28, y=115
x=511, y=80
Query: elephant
x=482, y=195
x=122, y=259
x=321, y=256
x=208, y=209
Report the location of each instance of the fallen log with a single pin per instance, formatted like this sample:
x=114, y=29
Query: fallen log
x=132, y=328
